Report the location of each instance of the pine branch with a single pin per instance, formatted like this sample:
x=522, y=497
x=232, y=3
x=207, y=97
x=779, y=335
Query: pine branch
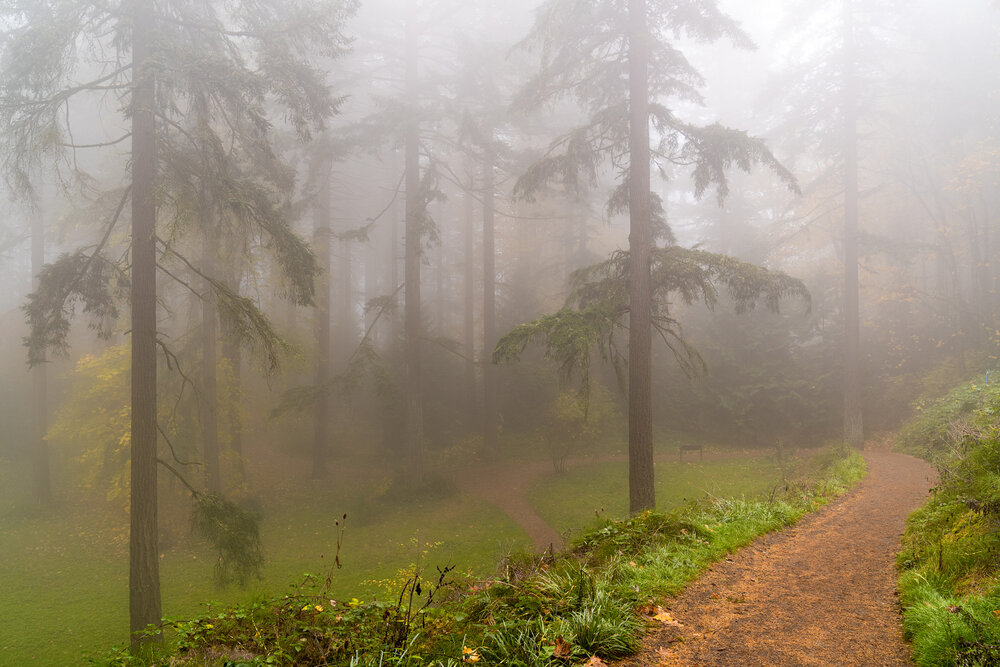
x=195, y=493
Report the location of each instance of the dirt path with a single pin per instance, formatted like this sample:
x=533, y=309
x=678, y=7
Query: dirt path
x=820, y=593
x=507, y=487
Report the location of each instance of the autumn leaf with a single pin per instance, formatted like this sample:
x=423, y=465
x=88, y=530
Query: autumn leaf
x=595, y=662
x=563, y=648
x=665, y=618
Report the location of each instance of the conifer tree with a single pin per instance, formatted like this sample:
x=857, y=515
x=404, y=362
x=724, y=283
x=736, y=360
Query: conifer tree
x=39, y=378
x=829, y=93
x=616, y=60
x=193, y=81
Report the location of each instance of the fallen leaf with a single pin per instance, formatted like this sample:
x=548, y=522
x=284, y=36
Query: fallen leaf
x=665, y=618
x=595, y=662
x=562, y=649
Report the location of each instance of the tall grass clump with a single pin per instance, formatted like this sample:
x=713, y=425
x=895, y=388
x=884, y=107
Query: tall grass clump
x=950, y=561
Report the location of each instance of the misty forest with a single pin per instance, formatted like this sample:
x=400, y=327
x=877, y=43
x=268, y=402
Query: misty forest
x=427, y=332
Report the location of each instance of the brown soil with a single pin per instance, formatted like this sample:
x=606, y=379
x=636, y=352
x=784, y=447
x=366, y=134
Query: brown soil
x=820, y=593
x=506, y=487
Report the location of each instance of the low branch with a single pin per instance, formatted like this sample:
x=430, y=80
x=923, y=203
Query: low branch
x=194, y=492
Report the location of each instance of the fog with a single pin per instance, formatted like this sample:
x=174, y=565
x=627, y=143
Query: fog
x=354, y=203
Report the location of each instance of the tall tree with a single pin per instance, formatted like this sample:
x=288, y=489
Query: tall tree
x=144, y=556
x=416, y=212
x=39, y=380
x=170, y=60
x=321, y=326
x=209, y=404
x=829, y=104
x=854, y=434
x=491, y=416
x=617, y=61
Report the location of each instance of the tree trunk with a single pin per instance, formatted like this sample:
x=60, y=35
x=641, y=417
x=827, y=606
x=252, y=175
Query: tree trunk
x=144, y=574
x=39, y=394
x=210, y=399
x=640, y=404
x=321, y=324
x=232, y=354
x=853, y=424
x=472, y=407
x=490, y=410
x=394, y=403
x=412, y=330
x=441, y=253
x=346, y=327
x=394, y=255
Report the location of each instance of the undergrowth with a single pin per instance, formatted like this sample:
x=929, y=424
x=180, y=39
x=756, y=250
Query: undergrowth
x=595, y=599
x=950, y=561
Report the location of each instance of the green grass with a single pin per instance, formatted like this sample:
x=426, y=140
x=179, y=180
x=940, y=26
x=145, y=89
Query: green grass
x=539, y=611
x=950, y=561
x=719, y=526
x=64, y=572
x=577, y=498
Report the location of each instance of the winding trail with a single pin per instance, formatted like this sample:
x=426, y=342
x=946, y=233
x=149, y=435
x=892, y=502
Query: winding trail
x=506, y=486
x=822, y=592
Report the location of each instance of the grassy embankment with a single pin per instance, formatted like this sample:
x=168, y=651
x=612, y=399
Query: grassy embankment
x=950, y=562
x=535, y=611
x=64, y=571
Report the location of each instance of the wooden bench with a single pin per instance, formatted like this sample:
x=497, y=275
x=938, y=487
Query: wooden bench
x=690, y=448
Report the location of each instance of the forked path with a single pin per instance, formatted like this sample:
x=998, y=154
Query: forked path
x=820, y=593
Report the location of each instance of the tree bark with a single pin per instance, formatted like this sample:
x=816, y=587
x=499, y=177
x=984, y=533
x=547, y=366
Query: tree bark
x=853, y=424
x=640, y=406
x=321, y=324
x=210, y=400
x=490, y=411
x=231, y=352
x=144, y=574
x=346, y=327
x=39, y=380
x=412, y=329
x=472, y=407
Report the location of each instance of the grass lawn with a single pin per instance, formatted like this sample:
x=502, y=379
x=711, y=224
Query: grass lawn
x=575, y=499
x=64, y=572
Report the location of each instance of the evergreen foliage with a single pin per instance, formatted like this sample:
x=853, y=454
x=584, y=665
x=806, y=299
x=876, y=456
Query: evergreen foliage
x=597, y=307
x=583, y=46
x=617, y=61
x=199, y=83
x=92, y=281
x=234, y=533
